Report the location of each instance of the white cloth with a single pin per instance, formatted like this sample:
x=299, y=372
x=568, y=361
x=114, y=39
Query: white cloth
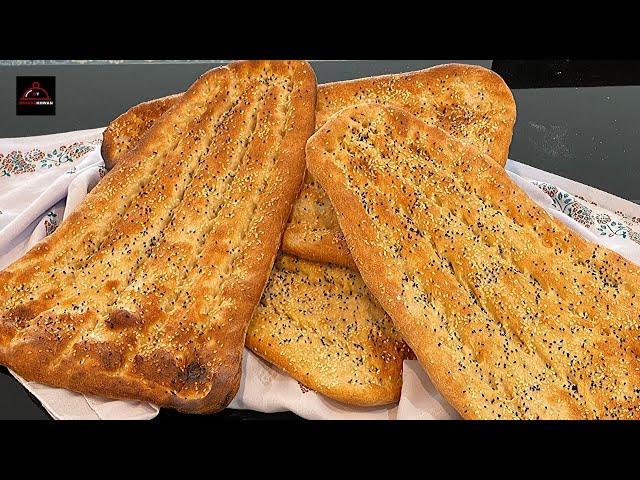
x=42, y=179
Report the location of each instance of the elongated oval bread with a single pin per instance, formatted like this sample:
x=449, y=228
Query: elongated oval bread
x=147, y=289
x=317, y=322
x=511, y=314
x=470, y=102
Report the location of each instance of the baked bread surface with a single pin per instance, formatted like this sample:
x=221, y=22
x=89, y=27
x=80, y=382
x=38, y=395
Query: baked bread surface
x=306, y=301
x=470, y=102
x=511, y=313
x=316, y=322
x=320, y=324
x=147, y=289
x=125, y=132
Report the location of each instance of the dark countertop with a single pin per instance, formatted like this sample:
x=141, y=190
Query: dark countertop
x=580, y=120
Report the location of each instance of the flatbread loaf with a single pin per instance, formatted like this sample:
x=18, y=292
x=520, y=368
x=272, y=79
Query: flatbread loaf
x=320, y=324
x=147, y=289
x=511, y=313
x=470, y=102
x=316, y=322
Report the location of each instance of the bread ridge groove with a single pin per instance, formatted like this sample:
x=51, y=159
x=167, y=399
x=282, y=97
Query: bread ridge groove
x=199, y=167
x=211, y=222
x=74, y=269
x=549, y=289
x=563, y=376
x=468, y=101
x=498, y=387
x=252, y=209
x=79, y=273
x=440, y=95
x=417, y=277
x=225, y=270
x=242, y=235
x=121, y=208
x=550, y=286
x=458, y=188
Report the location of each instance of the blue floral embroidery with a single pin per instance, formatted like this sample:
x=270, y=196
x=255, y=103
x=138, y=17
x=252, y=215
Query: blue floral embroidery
x=563, y=201
x=612, y=229
x=17, y=161
x=55, y=158
x=50, y=223
x=65, y=155
x=608, y=226
x=567, y=204
x=605, y=225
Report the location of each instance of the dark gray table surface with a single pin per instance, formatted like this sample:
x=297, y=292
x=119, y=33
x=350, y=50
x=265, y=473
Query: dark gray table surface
x=589, y=134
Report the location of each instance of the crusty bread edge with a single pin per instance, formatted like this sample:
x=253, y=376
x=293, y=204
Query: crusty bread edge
x=293, y=149
x=324, y=251
x=332, y=250
x=368, y=396
x=96, y=381
x=495, y=85
x=140, y=111
x=372, y=267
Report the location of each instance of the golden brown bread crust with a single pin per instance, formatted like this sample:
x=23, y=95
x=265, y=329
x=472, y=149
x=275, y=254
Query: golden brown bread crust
x=124, y=133
x=320, y=324
x=147, y=289
x=313, y=231
x=470, y=102
x=511, y=313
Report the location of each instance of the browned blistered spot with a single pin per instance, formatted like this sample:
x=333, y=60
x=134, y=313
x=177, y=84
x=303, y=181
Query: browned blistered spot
x=20, y=315
x=122, y=319
x=193, y=372
x=111, y=285
x=110, y=359
x=159, y=367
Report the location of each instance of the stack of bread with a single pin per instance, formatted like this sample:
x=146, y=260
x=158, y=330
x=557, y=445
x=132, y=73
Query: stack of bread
x=404, y=236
